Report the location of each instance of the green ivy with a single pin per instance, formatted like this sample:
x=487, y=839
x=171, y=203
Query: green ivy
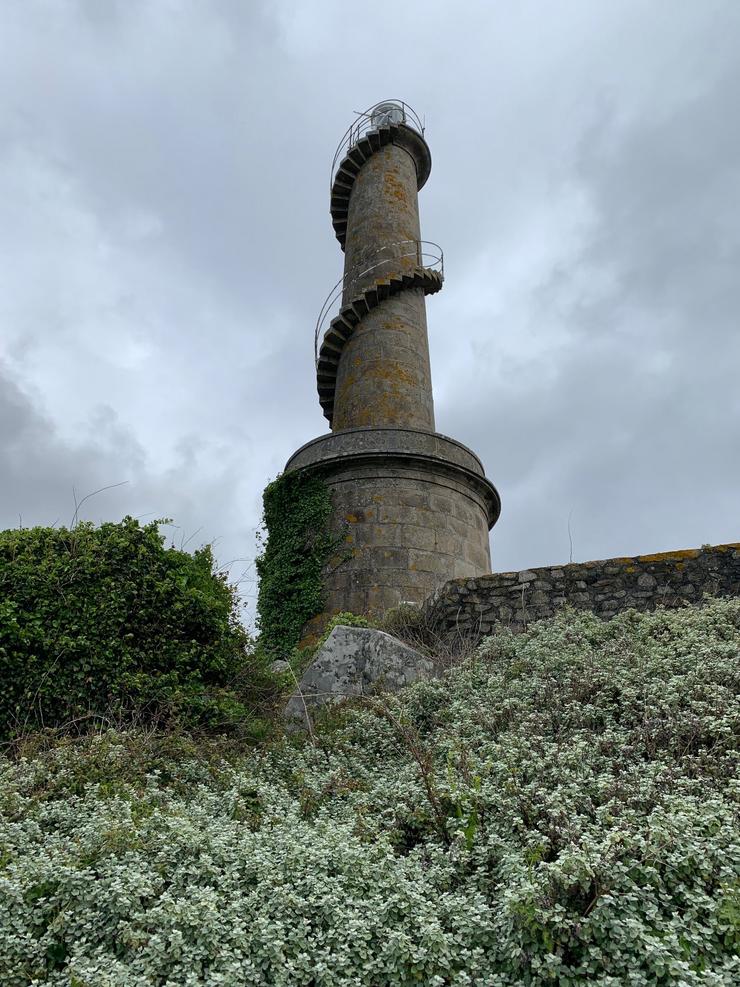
x=297, y=548
x=95, y=622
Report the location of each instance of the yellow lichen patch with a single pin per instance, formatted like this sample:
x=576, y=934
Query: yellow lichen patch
x=389, y=410
x=393, y=373
x=377, y=499
x=630, y=568
x=358, y=418
x=351, y=518
x=683, y=553
x=394, y=189
x=346, y=388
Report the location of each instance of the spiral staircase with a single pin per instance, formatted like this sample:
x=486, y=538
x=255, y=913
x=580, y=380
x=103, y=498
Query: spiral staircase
x=361, y=141
x=349, y=317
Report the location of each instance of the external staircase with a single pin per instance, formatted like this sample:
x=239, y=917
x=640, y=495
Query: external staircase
x=350, y=315
x=361, y=141
x=358, y=152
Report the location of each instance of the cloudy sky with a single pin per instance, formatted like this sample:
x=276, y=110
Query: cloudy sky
x=165, y=246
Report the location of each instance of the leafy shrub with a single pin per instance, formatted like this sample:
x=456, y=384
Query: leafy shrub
x=559, y=809
x=99, y=620
x=343, y=619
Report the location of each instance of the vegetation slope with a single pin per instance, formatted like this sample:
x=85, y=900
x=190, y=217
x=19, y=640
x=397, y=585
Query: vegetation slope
x=560, y=808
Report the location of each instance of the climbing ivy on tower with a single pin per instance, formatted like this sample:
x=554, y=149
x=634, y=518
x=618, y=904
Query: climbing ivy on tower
x=298, y=545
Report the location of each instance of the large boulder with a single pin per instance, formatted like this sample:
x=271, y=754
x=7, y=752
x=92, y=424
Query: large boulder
x=355, y=661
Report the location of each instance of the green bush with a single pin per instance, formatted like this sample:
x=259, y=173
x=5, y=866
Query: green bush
x=101, y=621
x=560, y=809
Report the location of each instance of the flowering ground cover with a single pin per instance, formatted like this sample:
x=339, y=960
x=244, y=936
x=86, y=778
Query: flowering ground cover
x=561, y=808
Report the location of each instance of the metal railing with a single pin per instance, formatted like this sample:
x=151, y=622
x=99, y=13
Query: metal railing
x=384, y=112
x=426, y=253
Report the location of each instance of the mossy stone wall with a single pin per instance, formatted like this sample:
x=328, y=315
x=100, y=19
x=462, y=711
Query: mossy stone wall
x=605, y=587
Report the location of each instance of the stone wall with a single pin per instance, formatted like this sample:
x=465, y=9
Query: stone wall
x=514, y=599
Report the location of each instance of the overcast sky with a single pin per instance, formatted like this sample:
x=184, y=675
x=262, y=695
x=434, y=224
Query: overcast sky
x=165, y=246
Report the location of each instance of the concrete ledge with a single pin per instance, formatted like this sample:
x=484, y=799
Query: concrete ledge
x=399, y=448
x=380, y=439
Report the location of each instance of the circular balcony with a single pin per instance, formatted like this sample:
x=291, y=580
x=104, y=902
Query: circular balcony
x=385, y=114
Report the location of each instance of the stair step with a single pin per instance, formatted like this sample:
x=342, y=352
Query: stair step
x=356, y=155
x=349, y=315
x=365, y=147
x=334, y=339
x=340, y=327
x=349, y=166
x=345, y=325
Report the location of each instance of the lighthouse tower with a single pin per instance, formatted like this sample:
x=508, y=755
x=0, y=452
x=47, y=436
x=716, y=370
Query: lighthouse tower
x=414, y=506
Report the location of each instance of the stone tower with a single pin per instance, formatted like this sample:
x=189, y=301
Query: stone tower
x=415, y=506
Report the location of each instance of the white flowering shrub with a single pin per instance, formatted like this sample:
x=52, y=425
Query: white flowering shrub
x=560, y=809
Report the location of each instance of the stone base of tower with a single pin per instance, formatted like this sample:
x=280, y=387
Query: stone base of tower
x=414, y=507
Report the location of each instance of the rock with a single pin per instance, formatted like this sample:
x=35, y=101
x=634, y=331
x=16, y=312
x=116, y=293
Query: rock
x=279, y=666
x=355, y=661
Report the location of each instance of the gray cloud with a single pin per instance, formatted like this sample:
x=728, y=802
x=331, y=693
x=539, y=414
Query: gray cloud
x=165, y=246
